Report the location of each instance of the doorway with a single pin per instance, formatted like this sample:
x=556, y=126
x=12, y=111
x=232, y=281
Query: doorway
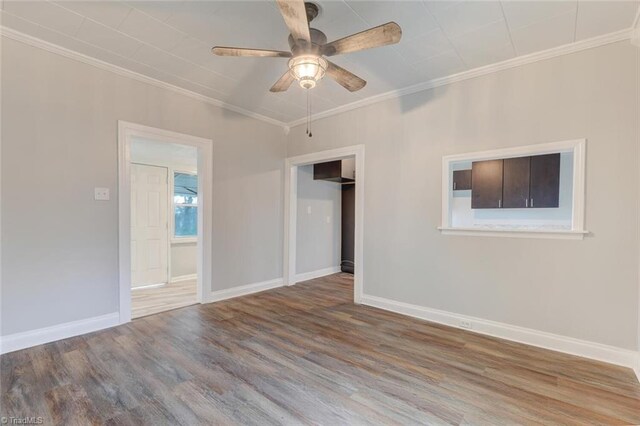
x=325, y=219
x=294, y=167
x=164, y=223
x=164, y=220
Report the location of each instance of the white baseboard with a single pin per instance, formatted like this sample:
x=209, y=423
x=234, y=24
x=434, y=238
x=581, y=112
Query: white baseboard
x=637, y=367
x=230, y=293
x=184, y=278
x=27, y=339
x=569, y=345
x=146, y=287
x=305, y=276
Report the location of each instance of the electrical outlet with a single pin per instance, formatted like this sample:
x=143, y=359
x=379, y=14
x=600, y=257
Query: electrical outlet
x=466, y=324
x=101, y=194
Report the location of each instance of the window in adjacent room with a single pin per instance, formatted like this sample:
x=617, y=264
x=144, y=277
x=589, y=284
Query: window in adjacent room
x=185, y=205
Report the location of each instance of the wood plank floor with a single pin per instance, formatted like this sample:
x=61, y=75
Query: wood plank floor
x=147, y=301
x=306, y=355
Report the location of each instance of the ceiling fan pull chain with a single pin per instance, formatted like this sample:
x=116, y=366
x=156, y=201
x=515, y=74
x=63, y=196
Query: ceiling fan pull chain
x=308, y=114
x=309, y=111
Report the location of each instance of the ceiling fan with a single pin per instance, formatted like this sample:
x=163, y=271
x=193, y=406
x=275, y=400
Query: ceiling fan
x=308, y=46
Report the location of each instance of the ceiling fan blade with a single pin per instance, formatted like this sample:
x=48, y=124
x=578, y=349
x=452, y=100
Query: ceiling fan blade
x=389, y=33
x=346, y=79
x=283, y=83
x=294, y=13
x=240, y=51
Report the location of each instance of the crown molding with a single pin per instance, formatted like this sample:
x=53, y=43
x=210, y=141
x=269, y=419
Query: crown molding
x=477, y=72
x=465, y=75
x=68, y=53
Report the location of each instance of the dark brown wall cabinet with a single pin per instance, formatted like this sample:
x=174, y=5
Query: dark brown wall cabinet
x=486, y=178
x=335, y=171
x=544, y=189
x=523, y=182
x=515, y=183
x=461, y=180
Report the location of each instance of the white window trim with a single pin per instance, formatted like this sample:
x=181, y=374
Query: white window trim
x=172, y=208
x=575, y=146
x=184, y=240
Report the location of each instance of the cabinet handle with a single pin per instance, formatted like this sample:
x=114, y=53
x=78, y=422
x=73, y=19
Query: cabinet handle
x=526, y=202
x=454, y=186
x=499, y=204
x=532, y=202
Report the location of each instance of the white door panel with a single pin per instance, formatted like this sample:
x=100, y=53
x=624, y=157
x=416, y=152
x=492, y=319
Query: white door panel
x=153, y=208
x=134, y=207
x=153, y=252
x=149, y=225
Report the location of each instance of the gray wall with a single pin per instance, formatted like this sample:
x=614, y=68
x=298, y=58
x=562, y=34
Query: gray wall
x=59, y=246
x=585, y=289
x=59, y=141
x=184, y=257
x=317, y=242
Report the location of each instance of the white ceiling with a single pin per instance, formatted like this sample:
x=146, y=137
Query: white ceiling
x=171, y=41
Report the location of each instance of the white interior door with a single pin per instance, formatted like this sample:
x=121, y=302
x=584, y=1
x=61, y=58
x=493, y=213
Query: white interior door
x=149, y=225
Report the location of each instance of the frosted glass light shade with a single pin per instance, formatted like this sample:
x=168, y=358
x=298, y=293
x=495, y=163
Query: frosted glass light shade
x=307, y=70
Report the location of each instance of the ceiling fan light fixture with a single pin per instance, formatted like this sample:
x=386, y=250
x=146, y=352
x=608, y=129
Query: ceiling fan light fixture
x=308, y=69
x=309, y=47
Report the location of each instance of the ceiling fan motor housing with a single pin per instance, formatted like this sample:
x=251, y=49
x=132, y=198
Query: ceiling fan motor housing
x=318, y=39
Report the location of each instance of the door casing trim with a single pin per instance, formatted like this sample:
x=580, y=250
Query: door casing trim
x=291, y=209
x=126, y=131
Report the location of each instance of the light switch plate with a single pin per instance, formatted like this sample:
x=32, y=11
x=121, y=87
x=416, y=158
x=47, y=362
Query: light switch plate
x=101, y=194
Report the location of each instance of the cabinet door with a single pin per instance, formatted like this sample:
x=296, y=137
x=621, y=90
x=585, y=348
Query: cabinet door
x=331, y=170
x=486, y=179
x=461, y=180
x=544, y=188
x=348, y=169
x=515, y=184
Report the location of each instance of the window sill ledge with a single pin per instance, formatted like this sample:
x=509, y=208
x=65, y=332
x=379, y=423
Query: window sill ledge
x=184, y=240
x=516, y=233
